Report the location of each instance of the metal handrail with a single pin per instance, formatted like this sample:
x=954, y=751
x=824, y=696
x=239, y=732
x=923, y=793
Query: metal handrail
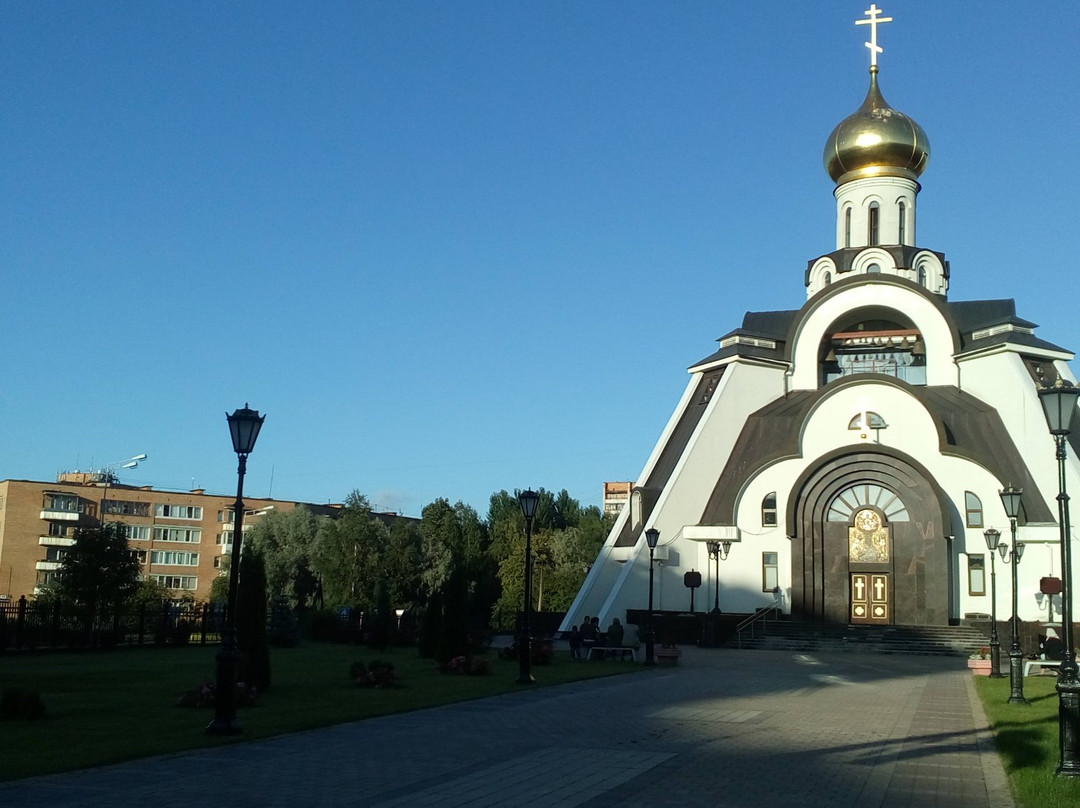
x=758, y=616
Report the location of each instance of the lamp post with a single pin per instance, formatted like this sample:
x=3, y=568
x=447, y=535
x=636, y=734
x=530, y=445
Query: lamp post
x=991, y=535
x=527, y=500
x=1059, y=403
x=718, y=551
x=244, y=425
x=652, y=536
x=1010, y=499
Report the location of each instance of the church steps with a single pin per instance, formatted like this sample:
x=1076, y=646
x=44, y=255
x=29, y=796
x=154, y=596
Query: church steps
x=911, y=640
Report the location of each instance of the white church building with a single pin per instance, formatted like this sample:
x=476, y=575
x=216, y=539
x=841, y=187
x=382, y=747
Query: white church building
x=852, y=452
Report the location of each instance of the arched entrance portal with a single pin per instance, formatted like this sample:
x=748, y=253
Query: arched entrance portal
x=869, y=541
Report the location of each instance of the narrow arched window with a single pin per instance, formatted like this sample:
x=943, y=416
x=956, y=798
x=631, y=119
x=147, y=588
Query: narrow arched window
x=872, y=224
x=768, y=510
x=847, y=227
x=973, y=510
x=902, y=230
x=922, y=276
x=828, y=278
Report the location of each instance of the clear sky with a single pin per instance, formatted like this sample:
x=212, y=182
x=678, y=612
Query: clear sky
x=455, y=247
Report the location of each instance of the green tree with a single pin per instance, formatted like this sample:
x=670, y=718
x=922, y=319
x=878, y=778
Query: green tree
x=400, y=568
x=457, y=576
x=251, y=612
x=286, y=540
x=99, y=570
x=566, y=540
x=346, y=555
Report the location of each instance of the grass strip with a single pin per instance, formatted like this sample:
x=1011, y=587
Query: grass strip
x=1026, y=736
x=110, y=706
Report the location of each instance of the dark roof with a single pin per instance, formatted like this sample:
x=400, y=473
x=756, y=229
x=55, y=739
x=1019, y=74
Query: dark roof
x=903, y=256
x=969, y=316
x=967, y=427
x=773, y=325
x=670, y=454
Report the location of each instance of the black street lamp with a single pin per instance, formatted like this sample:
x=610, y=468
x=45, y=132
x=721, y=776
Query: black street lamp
x=1059, y=403
x=718, y=551
x=991, y=535
x=1010, y=499
x=527, y=500
x=244, y=425
x=652, y=536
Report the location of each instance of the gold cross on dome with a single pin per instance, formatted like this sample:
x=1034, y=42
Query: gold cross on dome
x=873, y=22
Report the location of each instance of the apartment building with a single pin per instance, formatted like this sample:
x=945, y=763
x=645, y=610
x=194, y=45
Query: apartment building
x=616, y=495
x=181, y=537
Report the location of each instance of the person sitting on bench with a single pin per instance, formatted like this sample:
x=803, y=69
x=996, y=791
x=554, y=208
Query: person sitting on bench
x=614, y=636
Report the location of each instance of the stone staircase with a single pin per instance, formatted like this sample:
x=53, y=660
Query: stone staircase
x=794, y=635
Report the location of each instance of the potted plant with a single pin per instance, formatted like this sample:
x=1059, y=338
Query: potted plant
x=979, y=662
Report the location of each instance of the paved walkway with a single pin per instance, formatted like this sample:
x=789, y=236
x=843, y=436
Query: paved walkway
x=725, y=728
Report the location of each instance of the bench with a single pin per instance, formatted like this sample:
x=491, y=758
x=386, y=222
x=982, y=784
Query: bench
x=1040, y=664
x=620, y=650
x=667, y=655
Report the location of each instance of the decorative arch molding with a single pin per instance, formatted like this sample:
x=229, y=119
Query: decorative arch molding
x=906, y=300
x=874, y=255
x=919, y=564
x=936, y=278
x=822, y=274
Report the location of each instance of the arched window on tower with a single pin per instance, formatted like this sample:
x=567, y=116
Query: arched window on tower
x=873, y=268
x=922, y=275
x=872, y=224
x=828, y=278
x=768, y=510
x=973, y=510
x=902, y=230
x=847, y=227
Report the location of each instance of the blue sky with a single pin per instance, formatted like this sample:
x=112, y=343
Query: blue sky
x=450, y=248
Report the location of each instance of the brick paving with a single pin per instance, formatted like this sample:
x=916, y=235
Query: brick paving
x=724, y=728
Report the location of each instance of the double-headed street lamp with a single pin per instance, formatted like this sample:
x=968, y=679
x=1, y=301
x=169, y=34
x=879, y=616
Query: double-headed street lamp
x=1010, y=499
x=652, y=536
x=718, y=551
x=527, y=500
x=244, y=425
x=992, y=536
x=1059, y=403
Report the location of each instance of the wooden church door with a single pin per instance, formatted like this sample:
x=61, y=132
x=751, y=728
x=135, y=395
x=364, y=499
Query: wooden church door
x=869, y=559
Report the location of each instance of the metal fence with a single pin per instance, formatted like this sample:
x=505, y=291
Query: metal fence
x=28, y=625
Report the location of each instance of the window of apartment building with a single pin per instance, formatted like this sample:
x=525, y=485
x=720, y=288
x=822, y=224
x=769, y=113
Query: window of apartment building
x=178, y=511
x=47, y=578
x=55, y=554
x=125, y=508
x=188, y=582
x=191, y=535
x=226, y=515
x=63, y=502
x=768, y=510
x=974, y=510
x=770, y=571
x=140, y=555
x=59, y=529
x=174, y=557
x=138, y=532
x=976, y=575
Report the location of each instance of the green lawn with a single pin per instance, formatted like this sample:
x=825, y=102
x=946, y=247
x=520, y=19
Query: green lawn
x=1027, y=738
x=104, y=707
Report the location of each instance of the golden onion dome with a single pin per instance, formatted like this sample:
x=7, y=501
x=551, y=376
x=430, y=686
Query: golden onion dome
x=876, y=140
